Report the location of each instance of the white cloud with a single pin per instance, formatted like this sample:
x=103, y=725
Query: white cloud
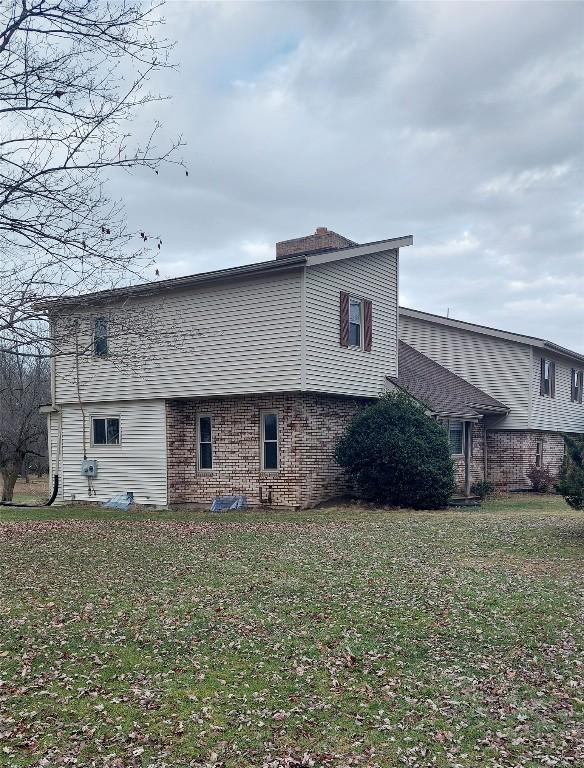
x=458, y=124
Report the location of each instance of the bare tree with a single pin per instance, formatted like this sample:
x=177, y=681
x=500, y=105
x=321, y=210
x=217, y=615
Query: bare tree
x=72, y=75
x=24, y=386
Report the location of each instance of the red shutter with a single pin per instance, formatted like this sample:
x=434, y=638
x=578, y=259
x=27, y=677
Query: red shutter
x=573, y=384
x=344, y=319
x=368, y=323
x=552, y=379
x=542, y=377
x=581, y=386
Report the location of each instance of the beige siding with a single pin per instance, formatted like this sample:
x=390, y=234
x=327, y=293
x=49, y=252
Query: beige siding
x=339, y=370
x=137, y=464
x=499, y=367
x=558, y=413
x=229, y=338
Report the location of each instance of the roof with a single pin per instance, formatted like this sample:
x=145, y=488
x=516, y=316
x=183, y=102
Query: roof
x=520, y=338
x=247, y=270
x=441, y=391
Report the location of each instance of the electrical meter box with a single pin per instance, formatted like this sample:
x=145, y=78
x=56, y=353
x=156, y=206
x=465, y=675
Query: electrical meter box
x=89, y=468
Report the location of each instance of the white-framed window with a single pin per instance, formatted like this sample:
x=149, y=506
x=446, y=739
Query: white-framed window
x=355, y=322
x=205, y=439
x=577, y=385
x=105, y=430
x=100, y=337
x=547, y=387
x=269, y=441
x=456, y=437
x=539, y=453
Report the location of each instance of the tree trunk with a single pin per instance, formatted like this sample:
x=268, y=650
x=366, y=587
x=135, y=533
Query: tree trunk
x=9, y=478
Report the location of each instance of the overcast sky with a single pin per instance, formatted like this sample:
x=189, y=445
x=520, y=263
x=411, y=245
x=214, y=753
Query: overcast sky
x=461, y=124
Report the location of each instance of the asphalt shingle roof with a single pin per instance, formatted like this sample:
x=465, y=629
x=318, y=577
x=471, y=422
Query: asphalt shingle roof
x=440, y=390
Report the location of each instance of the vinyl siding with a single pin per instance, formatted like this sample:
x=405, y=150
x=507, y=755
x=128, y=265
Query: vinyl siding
x=137, y=464
x=229, y=338
x=558, y=413
x=329, y=367
x=499, y=367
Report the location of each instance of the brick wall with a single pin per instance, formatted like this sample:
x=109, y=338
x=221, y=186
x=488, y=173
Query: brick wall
x=309, y=427
x=322, y=240
x=511, y=453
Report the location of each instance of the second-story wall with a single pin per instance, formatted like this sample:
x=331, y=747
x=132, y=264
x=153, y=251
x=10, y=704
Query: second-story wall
x=499, y=367
x=329, y=367
x=225, y=338
x=558, y=413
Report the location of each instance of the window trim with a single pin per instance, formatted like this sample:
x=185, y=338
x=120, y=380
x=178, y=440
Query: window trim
x=93, y=418
x=263, y=414
x=103, y=338
x=576, y=385
x=199, y=441
x=539, y=452
x=547, y=382
x=463, y=437
x=361, y=302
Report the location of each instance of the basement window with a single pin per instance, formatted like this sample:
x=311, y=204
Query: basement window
x=205, y=442
x=105, y=430
x=270, y=441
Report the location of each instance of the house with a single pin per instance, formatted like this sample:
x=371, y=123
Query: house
x=239, y=380
x=539, y=382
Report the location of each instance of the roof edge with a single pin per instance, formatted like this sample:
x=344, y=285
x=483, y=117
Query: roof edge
x=487, y=330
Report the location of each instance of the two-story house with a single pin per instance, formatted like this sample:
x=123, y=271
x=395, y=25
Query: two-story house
x=241, y=380
x=236, y=381
x=540, y=383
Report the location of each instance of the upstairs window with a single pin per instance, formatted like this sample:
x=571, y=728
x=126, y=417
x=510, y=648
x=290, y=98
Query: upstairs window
x=100, y=337
x=270, y=441
x=205, y=443
x=106, y=430
x=356, y=322
x=577, y=385
x=547, y=384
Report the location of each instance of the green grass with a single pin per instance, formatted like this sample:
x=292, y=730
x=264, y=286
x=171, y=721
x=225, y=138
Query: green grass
x=341, y=637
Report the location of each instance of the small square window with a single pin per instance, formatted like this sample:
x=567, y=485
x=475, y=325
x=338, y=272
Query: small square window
x=106, y=430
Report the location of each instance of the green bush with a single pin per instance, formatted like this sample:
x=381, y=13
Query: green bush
x=395, y=454
x=571, y=482
x=482, y=489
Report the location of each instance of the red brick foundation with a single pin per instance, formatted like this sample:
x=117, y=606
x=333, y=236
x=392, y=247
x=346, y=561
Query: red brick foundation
x=309, y=428
x=511, y=453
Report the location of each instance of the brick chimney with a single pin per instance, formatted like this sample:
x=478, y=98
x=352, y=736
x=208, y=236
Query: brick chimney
x=323, y=240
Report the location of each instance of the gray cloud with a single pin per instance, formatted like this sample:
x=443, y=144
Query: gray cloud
x=460, y=123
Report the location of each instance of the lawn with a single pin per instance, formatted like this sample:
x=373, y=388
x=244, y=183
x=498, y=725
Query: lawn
x=343, y=637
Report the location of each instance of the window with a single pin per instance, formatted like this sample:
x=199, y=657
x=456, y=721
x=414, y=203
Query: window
x=269, y=441
x=577, y=385
x=456, y=437
x=100, y=337
x=355, y=322
x=205, y=443
x=539, y=453
x=547, y=386
x=106, y=431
